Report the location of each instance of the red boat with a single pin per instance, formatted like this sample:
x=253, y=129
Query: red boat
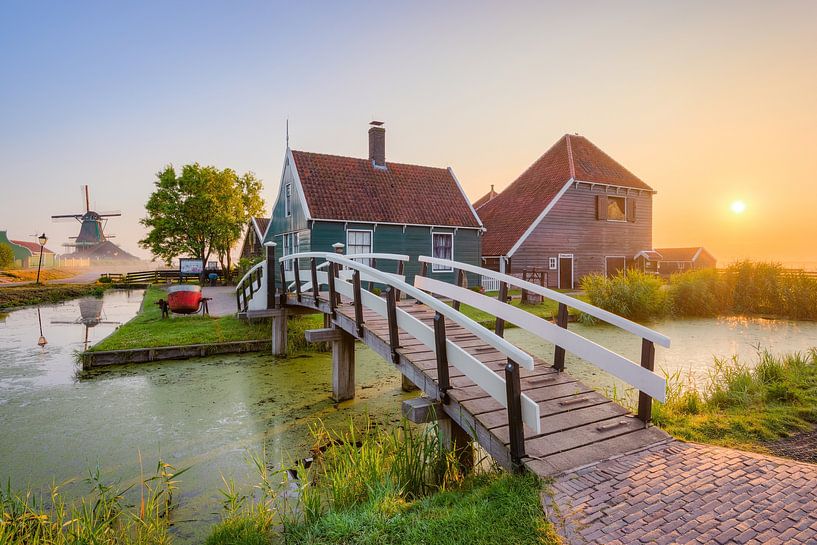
x=184, y=298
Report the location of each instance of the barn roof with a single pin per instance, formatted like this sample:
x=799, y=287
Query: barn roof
x=485, y=198
x=679, y=254
x=32, y=247
x=572, y=158
x=261, y=225
x=351, y=189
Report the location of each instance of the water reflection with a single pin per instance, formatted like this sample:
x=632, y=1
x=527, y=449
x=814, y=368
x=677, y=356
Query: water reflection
x=90, y=315
x=41, y=342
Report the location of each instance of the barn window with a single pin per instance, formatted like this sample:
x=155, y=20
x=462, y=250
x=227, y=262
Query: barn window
x=288, y=201
x=442, y=247
x=616, y=209
x=552, y=265
x=359, y=242
x=290, y=247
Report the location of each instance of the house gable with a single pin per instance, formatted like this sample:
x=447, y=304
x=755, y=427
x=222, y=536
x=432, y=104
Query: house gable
x=299, y=217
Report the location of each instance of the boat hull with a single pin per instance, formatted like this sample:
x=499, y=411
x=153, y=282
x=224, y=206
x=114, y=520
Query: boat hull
x=184, y=299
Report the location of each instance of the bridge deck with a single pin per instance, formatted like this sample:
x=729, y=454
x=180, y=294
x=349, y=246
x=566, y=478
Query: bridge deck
x=579, y=426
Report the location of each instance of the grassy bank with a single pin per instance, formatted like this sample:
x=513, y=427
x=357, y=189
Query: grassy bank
x=148, y=330
x=30, y=275
x=395, y=486
x=744, y=406
x=30, y=294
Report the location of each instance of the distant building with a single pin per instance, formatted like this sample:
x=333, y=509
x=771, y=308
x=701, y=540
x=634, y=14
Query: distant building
x=371, y=205
x=27, y=254
x=252, y=247
x=665, y=261
x=573, y=212
x=485, y=198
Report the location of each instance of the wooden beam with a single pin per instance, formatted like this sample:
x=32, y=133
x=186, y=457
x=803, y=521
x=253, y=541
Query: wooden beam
x=279, y=333
x=328, y=334
x=422, y=410
x=343, y=367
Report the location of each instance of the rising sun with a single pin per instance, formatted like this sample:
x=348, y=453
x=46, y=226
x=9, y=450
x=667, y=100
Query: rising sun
x=738, y=207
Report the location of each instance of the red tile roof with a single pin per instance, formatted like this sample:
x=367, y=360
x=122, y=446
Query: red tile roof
x=350, y=189
x=508, y=216
x=485, y=198
x=32, y=247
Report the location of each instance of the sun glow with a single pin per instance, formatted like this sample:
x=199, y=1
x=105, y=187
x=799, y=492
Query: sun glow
x=738, y=207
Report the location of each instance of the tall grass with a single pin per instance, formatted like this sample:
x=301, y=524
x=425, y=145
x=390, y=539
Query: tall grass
x=741, y=404
x=100, y=518
x=631, y=293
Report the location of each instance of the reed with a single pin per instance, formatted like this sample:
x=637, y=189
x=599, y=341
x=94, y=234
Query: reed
x=631, y=293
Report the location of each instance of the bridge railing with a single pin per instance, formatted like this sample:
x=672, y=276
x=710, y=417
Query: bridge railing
x=506, y=391
x=641, y=376
x=250, y=285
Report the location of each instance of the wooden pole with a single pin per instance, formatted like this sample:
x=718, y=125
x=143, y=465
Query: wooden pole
x=647, y=362
x=372, y=264
x=296, y=269
x=330, y=280
x=315, y=287
x=400, y=267
x=460, y=280
x=558, y=351
x=513, y=391
x=343, y=367
x=394, y=335
x=441, y=351
x=499, y=328
x=283, y=284
x=279, y=333
x=358, y=302
x=271, y=299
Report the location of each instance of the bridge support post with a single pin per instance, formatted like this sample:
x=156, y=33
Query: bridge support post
x=343, y=367
x=279, y=332
x=457, y=440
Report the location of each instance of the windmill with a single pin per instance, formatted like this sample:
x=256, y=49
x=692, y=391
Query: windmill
x=92, y=228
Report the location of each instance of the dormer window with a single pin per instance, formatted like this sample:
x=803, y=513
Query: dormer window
x=288, y=201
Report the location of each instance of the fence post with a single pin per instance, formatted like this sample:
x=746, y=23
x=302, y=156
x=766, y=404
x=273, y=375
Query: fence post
x=499, y=328
x=372, y=264
x=315, y=287
x=272, y=301
x=441, y=351
x=358, y=303
x=460, y=277
x=297, y=270
x=558, y=351
x=394, y=335
x=513, y=391
x=330, y=280
x=238, y=299
x=647, y=362
x=423, y=272
x=400, y=268
x=283, y=283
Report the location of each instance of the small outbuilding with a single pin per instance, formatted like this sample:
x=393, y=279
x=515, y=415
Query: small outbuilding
x=27, y=254
x=252, y=247
x=374, y=205
x=666, y=261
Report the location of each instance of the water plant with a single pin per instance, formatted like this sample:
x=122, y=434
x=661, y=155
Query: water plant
x=631, y=293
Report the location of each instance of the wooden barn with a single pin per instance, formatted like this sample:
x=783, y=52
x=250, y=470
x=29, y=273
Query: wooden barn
x=374, y=205
x=252, y=247
x=574, y=211
x=27, y=254
x=666, y=261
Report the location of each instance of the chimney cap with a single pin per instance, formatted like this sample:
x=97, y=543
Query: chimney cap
x=376, y=123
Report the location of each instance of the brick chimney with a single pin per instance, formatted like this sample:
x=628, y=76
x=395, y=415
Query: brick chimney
x=377, y=144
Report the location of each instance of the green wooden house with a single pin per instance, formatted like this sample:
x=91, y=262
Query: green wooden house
x=371, y=205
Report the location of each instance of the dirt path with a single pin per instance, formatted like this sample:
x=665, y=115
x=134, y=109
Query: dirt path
x=687, y=493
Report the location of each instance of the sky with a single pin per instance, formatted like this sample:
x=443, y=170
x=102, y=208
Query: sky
x=708, y=102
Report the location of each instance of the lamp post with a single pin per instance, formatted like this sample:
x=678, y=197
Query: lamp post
x=42, y=239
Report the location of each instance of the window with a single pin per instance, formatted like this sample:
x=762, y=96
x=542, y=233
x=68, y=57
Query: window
x=552, y=265
x=359, y=242
x=291, y=241
x=616, y=209
x=442, y=247
x=288, y=201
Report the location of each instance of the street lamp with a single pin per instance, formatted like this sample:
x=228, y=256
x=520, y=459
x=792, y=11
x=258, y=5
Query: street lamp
x=42, y=239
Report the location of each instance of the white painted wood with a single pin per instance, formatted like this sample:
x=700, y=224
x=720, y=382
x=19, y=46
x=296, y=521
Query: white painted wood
x=258, y=299
x=615, y=364
x=516, y=354
x=483, y=376
x=587, y=308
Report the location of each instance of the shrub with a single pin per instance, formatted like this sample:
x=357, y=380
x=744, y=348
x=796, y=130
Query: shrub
x=754, y=286
x=6, y=256
x=632, y=294
x=699, y=293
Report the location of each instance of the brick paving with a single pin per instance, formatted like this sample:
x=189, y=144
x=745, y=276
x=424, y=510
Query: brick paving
x=802, y=447
x=679, y=492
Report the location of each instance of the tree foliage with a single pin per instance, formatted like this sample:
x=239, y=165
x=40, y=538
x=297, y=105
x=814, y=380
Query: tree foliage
x=201, y=211
x=6, y=256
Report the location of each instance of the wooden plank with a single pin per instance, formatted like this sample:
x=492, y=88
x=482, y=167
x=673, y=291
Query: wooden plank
x=322, y=335
x=559, y=391
x=548, y=408
x=582, y=435
x=565, y=422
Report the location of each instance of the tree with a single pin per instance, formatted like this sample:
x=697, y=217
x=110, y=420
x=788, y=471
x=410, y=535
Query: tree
x=198, y=212
x=6, y=256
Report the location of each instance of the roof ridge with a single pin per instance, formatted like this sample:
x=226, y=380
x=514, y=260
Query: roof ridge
x=367, y=160
x=570, y=164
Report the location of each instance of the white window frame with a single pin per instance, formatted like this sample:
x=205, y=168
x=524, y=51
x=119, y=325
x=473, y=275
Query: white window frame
x=624, y=257
x=553, y=263
x=291, y=248
x=625, y=209
x=441, y=268
x=371, y=244
x=288, y=200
